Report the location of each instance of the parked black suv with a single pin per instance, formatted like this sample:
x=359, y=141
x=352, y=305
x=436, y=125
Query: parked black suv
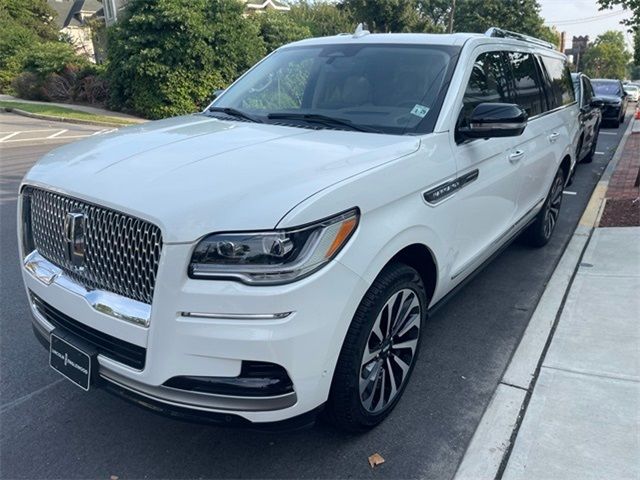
x=614, y=98
x=590, y=117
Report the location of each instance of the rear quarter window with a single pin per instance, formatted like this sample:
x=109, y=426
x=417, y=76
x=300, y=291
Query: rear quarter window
x=560, y=87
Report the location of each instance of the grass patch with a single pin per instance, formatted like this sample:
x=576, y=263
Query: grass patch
x=54, y=111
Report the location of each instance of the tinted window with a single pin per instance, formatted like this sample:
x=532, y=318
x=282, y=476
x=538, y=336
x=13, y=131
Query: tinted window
x=527, y=82
x=587, y=91
x=489, y=82
x=561, y=87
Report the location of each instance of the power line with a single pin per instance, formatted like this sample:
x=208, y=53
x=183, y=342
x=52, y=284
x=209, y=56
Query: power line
x=586, y=19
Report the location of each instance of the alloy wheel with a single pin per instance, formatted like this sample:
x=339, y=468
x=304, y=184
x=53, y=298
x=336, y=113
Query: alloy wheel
x=553, y=208
x=390, y=350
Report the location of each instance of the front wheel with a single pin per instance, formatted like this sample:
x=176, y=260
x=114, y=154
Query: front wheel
x=539, y=232
x=379, y=351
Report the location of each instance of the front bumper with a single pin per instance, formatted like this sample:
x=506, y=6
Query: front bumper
x=611, y=112
x=205, y=328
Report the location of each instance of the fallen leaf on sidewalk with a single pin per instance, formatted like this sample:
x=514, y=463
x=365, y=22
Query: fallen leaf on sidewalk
x=375, y=460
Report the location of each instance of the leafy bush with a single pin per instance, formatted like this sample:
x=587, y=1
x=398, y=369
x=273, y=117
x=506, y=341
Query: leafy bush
x=322, y=18
x=279, y=28
x=24, y=25
x=167, y=57
x=28, y=85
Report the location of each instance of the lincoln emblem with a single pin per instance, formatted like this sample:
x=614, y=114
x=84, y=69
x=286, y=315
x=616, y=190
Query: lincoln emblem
x=74, y=231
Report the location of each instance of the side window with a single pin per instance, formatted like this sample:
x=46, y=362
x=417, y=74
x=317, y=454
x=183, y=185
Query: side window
x=529, y=93
x=562, y=92
x=587, y=91
x=489, y=83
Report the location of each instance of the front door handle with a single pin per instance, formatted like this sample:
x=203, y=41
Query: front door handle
x=553, y=137
x=516, y=156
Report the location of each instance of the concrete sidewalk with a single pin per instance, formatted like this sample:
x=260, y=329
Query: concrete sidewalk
x=568, y=404
x=583, y=418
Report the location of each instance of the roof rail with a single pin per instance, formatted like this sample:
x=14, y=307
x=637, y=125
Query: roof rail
x=500, y=33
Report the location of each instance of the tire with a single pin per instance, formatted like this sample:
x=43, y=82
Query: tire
x=356, y=404
x=539, y=232
x=592, y=151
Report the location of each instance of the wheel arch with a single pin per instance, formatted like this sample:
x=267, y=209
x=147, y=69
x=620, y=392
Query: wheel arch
x=419, y=257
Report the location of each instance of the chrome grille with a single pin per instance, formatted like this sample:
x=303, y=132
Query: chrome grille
x=121, y=252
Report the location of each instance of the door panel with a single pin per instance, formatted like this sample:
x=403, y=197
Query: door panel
x=486, y=207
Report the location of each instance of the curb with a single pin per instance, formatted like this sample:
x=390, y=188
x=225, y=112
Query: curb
x=78, y=121
x=488, y=452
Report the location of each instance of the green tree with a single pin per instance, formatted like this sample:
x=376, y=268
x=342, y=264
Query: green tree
x=386, y=16
x=607, y=56
x=522, y=16
x=33, y=15
x=166, y=57
x=278, y=28
x=632, y=23
x=321, y=17
x=28, y=36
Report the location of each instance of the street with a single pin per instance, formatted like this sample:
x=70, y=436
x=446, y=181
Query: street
x=50, y=428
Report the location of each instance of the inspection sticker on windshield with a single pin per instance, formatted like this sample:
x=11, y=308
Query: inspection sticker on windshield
x=420, y=111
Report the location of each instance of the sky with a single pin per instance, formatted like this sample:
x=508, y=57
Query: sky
x=582, y=17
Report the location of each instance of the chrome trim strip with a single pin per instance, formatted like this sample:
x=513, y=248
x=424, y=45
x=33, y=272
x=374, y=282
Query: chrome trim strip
x=201, y=401
x=485, y=126
x=438, y=194
x=237, y=316
x=108, y=303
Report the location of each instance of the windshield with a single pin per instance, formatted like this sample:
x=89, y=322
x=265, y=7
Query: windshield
x=385, y=88
x=630, y=88
x=606, y=88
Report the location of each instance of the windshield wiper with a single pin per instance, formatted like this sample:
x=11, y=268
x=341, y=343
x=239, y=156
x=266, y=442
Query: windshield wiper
x=233, y=112
x=322, y=119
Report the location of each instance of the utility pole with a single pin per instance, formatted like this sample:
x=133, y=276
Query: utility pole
x=451, y=14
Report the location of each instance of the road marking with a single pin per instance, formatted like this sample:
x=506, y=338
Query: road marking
x=608, y=133
x=54, y=135
x=45, y=138
x=567, y=192
x=9, y=136
x=31, y=131
x=599, y=153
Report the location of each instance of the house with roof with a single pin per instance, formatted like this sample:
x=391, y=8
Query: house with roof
x=257, y=6
x=113, y=9
x=73, y=19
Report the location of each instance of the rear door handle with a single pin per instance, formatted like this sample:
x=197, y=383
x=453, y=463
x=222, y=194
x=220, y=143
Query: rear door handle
x=516, y=156
x=554, y=136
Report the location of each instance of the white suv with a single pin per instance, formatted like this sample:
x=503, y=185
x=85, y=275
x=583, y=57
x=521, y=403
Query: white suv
x=278, y=253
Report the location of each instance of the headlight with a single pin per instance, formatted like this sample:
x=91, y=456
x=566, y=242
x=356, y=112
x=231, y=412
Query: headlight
x=272, y=257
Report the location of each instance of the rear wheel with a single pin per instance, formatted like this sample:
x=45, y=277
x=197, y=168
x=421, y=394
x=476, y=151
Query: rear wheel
x=379, y=351
x=539, y=232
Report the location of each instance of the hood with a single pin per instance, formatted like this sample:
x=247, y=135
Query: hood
x=610, y=99
x=194, y=175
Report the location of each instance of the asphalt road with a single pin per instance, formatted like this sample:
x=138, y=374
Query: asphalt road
x=51, y=429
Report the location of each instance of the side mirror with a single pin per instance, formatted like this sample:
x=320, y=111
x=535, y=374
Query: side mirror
x=217, y=93
x=597, y=102
x=489, y=120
